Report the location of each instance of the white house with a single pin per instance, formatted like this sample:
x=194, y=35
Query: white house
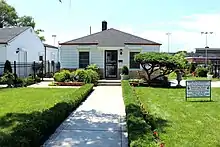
x=20, y=44
x=110, y=49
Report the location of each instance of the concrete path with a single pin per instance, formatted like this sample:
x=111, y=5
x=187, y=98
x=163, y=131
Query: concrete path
x=99, y=122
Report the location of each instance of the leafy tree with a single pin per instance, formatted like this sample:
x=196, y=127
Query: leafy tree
x=8, y=15
x=26, y=21
x=164, y=62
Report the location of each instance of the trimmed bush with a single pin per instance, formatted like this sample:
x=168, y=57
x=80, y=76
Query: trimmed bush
x=59, y=77
x=125, y=70
x=201, y=72
x=40, y=125
x=139, y=131
x=8, y=78
x=7, y=67
x=87, y=76
x=93, y=67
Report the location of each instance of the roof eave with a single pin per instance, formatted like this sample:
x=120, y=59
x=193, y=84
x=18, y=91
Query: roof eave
x=137, y=43
x=3, y=42
x=79, y=43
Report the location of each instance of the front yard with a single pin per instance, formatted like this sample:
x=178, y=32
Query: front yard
x=28, y=116
x=181, y=123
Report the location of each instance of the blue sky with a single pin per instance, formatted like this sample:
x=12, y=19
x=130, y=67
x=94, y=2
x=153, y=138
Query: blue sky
x=185, y=19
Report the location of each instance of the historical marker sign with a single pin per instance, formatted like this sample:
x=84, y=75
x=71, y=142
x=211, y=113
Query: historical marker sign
x=198, y=89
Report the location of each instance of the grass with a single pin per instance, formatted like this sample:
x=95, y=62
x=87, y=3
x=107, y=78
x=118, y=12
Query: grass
x=28, y=100
x=29, y=116
x=193, y=123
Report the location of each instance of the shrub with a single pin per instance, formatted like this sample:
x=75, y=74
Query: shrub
x=87, y=76
x=7, y=67
x=37, y=79
x=8, y=78
x=192, y=67
x=201, y=72
x=125, y=70
x=139, y=131
x=28, y=81
x=93, y=67
x=59, y=77
x=39, y=125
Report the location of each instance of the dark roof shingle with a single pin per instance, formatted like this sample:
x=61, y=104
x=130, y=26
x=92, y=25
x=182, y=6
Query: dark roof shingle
x=50, y=46
x=112, y=38
x=7, y=34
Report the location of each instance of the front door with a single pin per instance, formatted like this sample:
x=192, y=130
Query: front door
x=111, y=64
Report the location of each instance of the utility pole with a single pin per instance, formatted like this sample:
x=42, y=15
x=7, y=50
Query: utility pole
x=168, y=35
x=206, y=45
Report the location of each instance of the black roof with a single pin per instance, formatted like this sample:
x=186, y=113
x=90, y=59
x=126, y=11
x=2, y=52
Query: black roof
x=111, y=38
x=7, y=34
x=50, y=46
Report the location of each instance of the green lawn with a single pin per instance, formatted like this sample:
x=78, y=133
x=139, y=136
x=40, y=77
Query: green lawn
x=27, y=100
x=181, y=123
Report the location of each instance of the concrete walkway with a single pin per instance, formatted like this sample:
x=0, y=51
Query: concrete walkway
x=99, y=122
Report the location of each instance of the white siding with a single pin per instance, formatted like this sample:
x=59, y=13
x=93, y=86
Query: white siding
x=52, y=54
x=3, y=53
x=97, y=57
x=69, y=56
x=27, y=41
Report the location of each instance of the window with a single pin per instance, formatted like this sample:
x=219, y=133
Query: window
x=83, y=59
x=40, y=58
x=134, y=64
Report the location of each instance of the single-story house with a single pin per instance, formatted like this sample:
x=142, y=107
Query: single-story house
x=20, y=44
x=110, y=49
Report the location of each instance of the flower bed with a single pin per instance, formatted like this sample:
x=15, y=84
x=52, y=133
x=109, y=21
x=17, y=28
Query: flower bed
x=69, y=83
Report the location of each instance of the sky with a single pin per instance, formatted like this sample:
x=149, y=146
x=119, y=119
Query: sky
x=150, y=19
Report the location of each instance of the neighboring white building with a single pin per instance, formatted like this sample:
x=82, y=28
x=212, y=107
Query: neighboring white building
x=20, y=44
x=110, y=49
x=52, y=53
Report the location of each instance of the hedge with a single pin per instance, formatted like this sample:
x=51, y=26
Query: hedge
x=36, y=130
x=139, y=131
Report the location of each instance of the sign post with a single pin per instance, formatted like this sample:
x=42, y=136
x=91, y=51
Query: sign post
x=198, y=89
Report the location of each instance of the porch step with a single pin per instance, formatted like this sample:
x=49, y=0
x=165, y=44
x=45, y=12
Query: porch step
x=109, y=83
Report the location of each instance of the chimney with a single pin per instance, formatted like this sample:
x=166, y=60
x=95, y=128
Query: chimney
x=104, y=25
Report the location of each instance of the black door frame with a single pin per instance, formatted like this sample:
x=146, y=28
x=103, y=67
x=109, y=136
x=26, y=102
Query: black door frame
x=116, y=64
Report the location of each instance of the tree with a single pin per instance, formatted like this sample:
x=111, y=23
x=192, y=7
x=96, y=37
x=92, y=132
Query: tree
x=163, y=62
x=42, y=38
x=26, y=21
x=8, y=15
x=7, y=67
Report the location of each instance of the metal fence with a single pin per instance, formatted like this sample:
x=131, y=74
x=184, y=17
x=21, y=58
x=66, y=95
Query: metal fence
x=25, y=69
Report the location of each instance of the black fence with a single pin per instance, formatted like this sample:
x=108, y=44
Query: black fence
x=24, y=69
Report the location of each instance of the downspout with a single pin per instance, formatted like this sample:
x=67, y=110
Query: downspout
x=45, y=59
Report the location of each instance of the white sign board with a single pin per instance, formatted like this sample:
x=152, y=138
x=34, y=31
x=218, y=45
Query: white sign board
x=198, y=88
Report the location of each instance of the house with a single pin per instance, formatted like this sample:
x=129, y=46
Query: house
x=110, y=49
x=20, y=44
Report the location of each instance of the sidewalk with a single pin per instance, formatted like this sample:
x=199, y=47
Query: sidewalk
x=99, y=122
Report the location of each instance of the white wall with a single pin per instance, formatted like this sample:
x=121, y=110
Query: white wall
x=52, y=54
x=3, y=53
x=69, y=54
x=27, y=41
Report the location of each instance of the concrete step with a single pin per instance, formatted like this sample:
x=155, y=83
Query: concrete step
x=109, y=84
x=109, y=81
